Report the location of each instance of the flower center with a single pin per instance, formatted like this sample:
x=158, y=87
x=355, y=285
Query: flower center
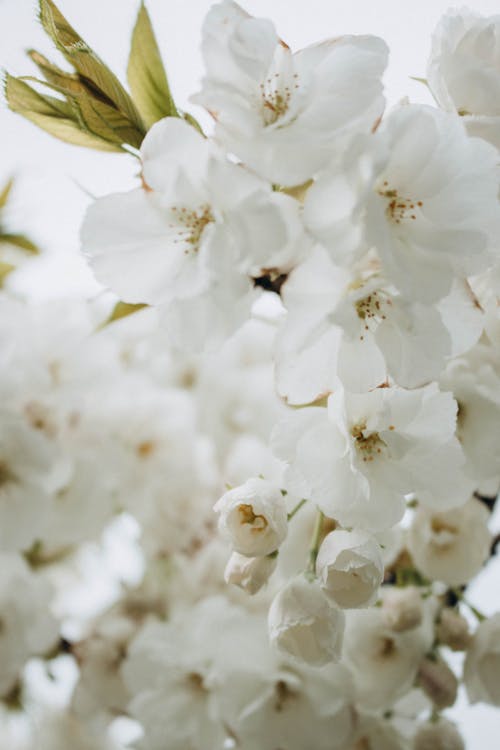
x=399, y=208
x=275, y=96
x=248, y=517
x=372, y=309
x=368, y=446
x=189, y=224
x=444, y=533
x=387, y=647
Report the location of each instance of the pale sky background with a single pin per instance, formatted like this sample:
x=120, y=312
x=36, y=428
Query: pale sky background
x=50, y=197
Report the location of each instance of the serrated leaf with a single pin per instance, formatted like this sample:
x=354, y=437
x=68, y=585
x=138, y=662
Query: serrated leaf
x=146, y=74
x=55, y=116
x=54, y=75
x=5, y=193
x=94, y=114
x=122, y=310
x=20, y=241
x=96, y=75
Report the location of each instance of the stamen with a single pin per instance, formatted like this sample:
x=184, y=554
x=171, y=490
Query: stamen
x=190, y=224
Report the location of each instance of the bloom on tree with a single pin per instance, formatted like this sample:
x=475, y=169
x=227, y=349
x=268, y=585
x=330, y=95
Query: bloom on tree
x=253, y=517
x=304, y=624
x=349, y=568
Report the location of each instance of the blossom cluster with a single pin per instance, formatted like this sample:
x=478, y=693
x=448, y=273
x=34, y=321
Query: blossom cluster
x=298, y=427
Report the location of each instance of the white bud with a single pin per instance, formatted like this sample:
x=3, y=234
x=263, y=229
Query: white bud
x=439, y=735
x=402, y=608
x=249, y=573
x=350, y=569
x=438, y=681
x=482, y=663
x=452, y=546
x=453, y=630
x=304, y=623
x=253, y=517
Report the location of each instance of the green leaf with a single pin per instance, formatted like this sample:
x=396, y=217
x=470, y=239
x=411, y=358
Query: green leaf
x=93, y=114
x=20, y=241
x=5, y=270
x=419, y=80
x=122, y=310
x=97, y=77
x=56, y=76
x=5, y=193
x=55, y=116
x=146, y=75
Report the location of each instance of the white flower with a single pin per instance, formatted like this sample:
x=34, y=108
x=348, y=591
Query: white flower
x=284, y=114
x=452, y=629
x=384, y=663
x=377, y=733
x=197, y=230
x=349, y=568
x=358, y=458
x=482, y=663
x=338, y=318
x=183, y=675
x=402, y=608
x=253, y=517
x=438, y=682
x=297, y=708
x=30, y=470
x=464, y=71
x=451, y=546
x=249, y=573
x=304, y=624
x=422, y=192
x=474, y=380
x=62, y=730
x=27, y=626
x=438, y=735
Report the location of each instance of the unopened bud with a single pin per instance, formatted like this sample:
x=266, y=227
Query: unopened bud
x=453, y=630
x=438, y=682
x=249, y=573
x=402, y=609
x=304, y=623
x=253, y=517
x=439, y=735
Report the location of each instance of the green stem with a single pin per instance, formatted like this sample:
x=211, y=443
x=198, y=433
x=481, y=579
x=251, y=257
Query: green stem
x=477, y=614
x=315, y=543
x=297, y=508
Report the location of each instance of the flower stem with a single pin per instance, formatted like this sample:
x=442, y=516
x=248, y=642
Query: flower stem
x=297, y=508
x=315, y=542
x=477, y=614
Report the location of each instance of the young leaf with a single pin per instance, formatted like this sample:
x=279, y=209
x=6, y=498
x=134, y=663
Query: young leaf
x=20, y=241
x=122, y=310
x=5, y=193
x=5, y=269
x=55, y=116
x=97, y=76
x=146, y=75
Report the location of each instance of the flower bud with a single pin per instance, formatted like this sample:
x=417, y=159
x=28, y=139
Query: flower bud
x=439, y=735
x=249, y=573
x=253, y=517
x=402, y=609
x=451, y=546
x=438, y=682
x=482, y=663
x=453, y=630
x=349, y=568
x=303, y=623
